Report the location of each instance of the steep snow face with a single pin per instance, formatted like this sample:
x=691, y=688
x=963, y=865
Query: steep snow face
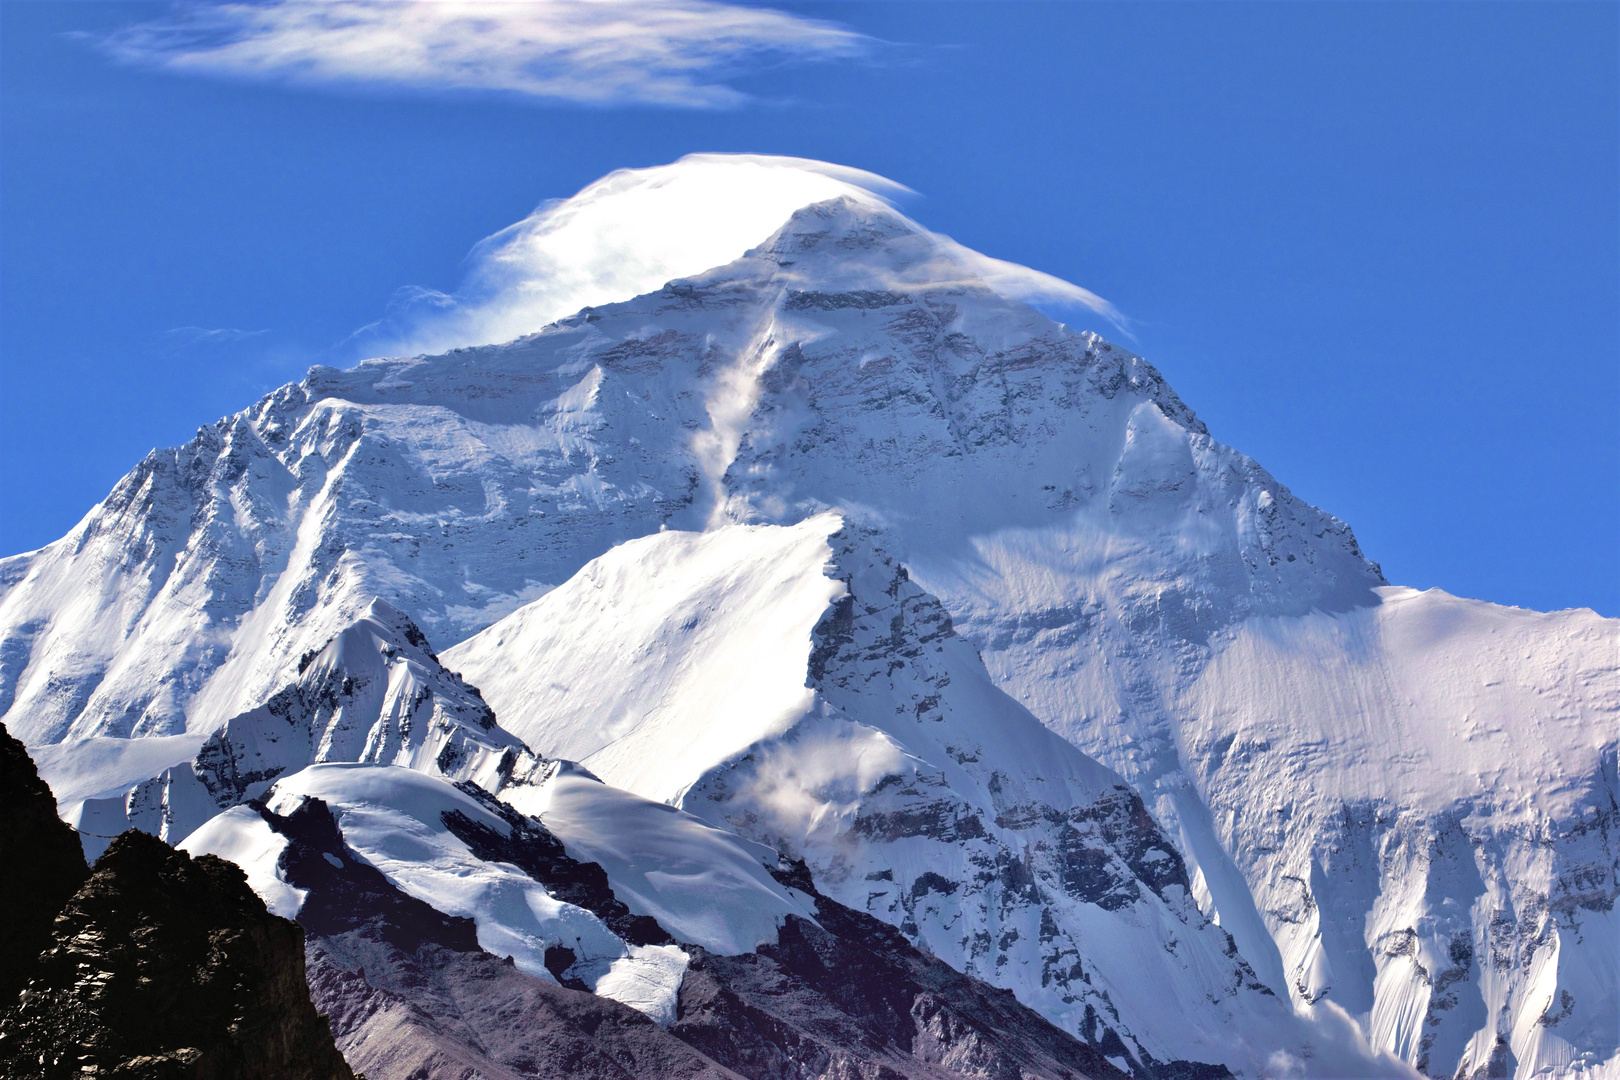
x=375, y=694
x=884, y=757
x=1407, y=809
x=667, y=655
x=1450, y=767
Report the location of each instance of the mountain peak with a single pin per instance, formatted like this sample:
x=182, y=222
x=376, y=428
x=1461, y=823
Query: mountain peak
x=852, y=243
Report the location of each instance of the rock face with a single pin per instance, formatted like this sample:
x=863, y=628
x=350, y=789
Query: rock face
x=433, y=1012
x=44, y=866
x=163, y=966
x=846, y=995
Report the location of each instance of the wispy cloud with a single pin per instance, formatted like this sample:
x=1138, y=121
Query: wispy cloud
x=182, y=338
x=600, y=52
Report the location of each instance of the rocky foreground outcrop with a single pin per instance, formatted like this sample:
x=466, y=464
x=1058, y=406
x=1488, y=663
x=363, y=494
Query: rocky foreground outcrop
x=159, y=966
x=44, y=865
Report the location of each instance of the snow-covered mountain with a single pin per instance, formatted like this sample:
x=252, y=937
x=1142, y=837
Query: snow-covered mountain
x=812, y=544
x=789, y=683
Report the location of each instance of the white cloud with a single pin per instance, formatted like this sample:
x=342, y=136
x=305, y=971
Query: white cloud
x=195, y=337
x=636, y=229
x=602, y=52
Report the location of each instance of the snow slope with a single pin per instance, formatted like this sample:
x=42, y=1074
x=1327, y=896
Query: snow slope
x=394, y=819
x=1407, y=808
x=791, y=684
x=1132, y=582
x=704, y=885
x=242, y=836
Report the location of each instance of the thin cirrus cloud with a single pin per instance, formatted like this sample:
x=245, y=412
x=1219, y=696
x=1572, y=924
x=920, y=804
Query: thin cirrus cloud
x=597, y=52
x=182, y=338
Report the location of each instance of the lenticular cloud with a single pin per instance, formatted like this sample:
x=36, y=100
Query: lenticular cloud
x=636, y=229
x=600, y=52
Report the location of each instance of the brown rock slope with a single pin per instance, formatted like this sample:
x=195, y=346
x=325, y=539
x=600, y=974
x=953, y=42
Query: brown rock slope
x=411, y=995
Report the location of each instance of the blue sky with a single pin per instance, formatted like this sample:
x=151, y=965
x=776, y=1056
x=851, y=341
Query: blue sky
x=1375, y=246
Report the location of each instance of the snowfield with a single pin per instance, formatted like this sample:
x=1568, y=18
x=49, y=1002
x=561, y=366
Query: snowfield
x=704, y=885
x=842, y=552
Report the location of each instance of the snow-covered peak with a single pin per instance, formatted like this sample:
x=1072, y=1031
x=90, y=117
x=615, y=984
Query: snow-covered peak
x=791, y=684
x=635, y=229
x=621, y=236
x=851, y=244
x=1334, y=759
x=375, y=693
x=381, y=636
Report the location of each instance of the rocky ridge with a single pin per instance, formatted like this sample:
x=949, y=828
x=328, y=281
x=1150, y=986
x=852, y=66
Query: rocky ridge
x=374, y=693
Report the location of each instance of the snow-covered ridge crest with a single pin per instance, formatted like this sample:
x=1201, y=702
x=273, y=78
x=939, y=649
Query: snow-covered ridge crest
x=374, y=694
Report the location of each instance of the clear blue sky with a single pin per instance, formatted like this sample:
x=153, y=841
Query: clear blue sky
x=1375, y=246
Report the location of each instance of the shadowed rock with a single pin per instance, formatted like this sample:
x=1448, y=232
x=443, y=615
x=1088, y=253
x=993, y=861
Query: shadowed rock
x=43, y=861
x=165, y=967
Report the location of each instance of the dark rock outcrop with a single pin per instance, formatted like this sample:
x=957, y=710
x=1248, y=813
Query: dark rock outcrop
x=411, y=995
x=44, y=865
x=849, y=996
x=157, y=967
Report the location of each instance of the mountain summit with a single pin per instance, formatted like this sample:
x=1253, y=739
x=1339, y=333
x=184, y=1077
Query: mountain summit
x=873, y=574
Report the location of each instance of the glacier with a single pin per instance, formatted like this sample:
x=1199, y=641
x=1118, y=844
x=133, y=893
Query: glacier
x=1400, y=808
